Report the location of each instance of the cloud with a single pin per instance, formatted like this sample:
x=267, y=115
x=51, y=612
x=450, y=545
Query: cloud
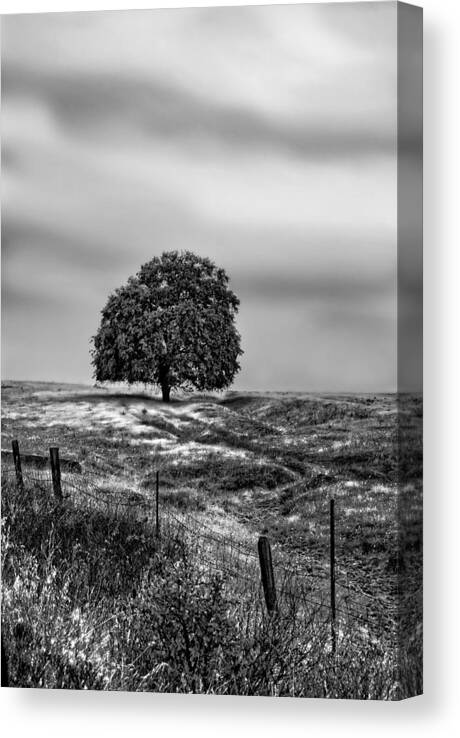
x=100, y=105
x=314, y=82
x=264, y=138
x=328, y=290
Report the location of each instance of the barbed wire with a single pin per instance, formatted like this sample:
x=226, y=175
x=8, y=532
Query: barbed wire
x=228, y=555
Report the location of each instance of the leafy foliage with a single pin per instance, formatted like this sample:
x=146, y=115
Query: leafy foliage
x=172, y=324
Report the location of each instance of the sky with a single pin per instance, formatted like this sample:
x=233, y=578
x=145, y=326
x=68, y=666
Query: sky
x=262, y=137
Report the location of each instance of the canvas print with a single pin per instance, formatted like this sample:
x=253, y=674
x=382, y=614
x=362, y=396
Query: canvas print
x=212, y=351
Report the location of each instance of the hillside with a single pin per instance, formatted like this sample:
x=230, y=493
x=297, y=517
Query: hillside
x=243, y=464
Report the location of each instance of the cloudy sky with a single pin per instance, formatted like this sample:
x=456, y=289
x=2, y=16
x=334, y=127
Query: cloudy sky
x=262, y=137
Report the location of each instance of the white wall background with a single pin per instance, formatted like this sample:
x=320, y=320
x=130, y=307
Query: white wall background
x=73, y=714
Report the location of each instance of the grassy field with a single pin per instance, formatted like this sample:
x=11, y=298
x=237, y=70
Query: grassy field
x=237, y=465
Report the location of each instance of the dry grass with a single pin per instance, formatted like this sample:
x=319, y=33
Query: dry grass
x=247, y=463
x=91, y=601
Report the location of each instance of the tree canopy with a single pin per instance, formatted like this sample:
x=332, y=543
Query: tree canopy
x=172, y=324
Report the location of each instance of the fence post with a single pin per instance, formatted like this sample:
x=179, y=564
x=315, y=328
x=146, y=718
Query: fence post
x=332, y=571
x=56, y=472
x=266, y=571
x=157, y=504
x=17, y=465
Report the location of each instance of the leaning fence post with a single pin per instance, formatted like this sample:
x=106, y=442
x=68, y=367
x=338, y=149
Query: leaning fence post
x=157, y=504
x=17, y=465
x=266, y=571
x=332, y=571
x=56, y=472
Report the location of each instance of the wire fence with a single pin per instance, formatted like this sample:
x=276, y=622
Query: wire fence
x=301, y=581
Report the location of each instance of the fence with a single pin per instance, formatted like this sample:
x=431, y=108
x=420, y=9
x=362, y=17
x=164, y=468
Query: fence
x=247, y=561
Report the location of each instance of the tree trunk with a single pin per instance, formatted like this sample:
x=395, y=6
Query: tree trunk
x=165, y=390
x=164, y=381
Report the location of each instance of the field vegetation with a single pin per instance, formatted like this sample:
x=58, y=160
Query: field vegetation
x=91, y=599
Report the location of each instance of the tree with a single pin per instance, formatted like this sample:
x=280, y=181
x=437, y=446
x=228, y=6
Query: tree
x=172, y=325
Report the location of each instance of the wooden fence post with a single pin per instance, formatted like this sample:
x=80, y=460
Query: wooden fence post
x=17, y=465
x=332, y=571
x=157, y=504
x=266, y=571
x=56, y=472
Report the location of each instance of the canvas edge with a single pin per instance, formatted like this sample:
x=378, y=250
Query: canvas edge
x=409, y=315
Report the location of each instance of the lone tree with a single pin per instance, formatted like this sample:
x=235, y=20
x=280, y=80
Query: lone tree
x=172, y=325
